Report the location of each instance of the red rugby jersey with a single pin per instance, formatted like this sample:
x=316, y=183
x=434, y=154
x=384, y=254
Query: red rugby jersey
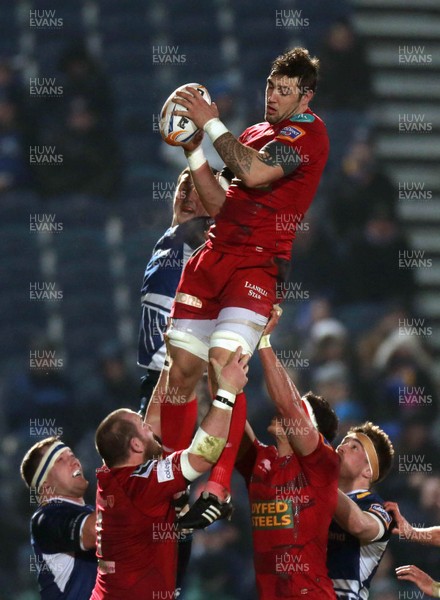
x=265, y=220
x=292, y=502
x=136, y=535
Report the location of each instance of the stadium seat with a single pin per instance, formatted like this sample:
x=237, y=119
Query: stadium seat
x=19, y=269
x=18, y=241
x=123, y=27
x=83, y=310
x=181, y=29
x=9, y=42
x=16, y=205
x=198, y=7
x=255, y=62
x=116, y=7
x=78, y=210
x=49, y=48
x=127, y=57
x=85, y=277
x=83, y=341
x=132, y=88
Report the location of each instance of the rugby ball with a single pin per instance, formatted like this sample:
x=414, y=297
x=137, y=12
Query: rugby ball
x=178, y=130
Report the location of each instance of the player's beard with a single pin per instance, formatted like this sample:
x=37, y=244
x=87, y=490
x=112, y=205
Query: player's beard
x=153, y=449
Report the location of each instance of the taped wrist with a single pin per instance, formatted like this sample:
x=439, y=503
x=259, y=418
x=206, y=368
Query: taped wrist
x=224, y=400
x=196, y=158
x=264, y=342
x=436, y=589
x=215, y=128
x=207, y=446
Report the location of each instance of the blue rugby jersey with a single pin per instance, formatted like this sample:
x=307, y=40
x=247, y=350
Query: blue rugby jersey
x=161, y=278
x=351, y=563
x=65, y=571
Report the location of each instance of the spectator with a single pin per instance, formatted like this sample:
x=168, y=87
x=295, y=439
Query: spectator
x=403, y=380
x=321, y=16
x=118, y=382
x=344, y=62
x=45, y=395
x=316, y=266
x=217, y=566
x=359, y=187
x=330, y=353
x=107, y=388
x=345, y=87
x=89, y=160
x=85, y=80
x=332, y=381
x=408, y=389
x=14, y=165
x=11, y=87
x=373, y=273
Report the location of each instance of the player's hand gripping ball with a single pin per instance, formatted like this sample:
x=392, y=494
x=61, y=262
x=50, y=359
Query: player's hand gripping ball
x=176, y=130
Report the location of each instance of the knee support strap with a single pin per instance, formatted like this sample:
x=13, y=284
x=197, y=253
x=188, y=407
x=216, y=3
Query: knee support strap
x=189, y=342
x=230, y=340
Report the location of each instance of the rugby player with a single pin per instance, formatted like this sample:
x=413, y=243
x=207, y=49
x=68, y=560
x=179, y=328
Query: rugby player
x=292, y=490
x=360, y=530
x=306, y=481
x=136, y=539
x=424, y=535
x=228, y=288
x=187, y=231
x=63, y=526
x=423, y=581
x=358, y=538
x=189, y=225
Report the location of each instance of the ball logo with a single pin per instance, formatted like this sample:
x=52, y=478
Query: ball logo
x=183, y=122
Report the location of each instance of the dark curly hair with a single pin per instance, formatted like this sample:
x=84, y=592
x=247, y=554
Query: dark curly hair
x=298, y=63
x=325, y=416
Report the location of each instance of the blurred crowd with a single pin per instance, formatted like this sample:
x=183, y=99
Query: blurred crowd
x=73, y=113
x=348, y=306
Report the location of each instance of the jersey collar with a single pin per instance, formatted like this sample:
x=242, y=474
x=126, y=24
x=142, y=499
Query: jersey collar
x=359, y=491
x=305, y=117
x=69, y=500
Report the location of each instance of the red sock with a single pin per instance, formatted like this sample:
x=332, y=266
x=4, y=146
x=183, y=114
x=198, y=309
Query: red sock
x=219, y=482
x=177, y=424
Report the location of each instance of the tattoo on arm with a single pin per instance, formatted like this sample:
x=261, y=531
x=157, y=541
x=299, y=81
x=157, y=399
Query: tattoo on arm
x=239, y=157
x=277, y=154
x=236, y=156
